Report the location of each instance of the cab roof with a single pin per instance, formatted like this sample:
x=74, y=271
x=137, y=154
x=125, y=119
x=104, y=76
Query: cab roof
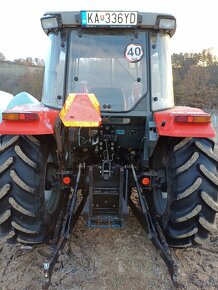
x=146, y=20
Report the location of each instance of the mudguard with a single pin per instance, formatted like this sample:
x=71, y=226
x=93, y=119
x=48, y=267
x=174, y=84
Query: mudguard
x=167, y=125
x=24, y=103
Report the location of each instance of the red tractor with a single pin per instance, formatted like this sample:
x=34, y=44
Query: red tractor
x=106, y=131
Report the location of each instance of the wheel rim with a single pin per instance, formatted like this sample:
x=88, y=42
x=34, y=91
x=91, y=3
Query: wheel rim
x=51, y=193
x=160, y=195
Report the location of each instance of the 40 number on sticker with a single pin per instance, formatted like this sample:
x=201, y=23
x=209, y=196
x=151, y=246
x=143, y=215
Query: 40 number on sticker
x=134, y=52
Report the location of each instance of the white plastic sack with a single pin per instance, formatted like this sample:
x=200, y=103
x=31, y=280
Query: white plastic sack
x=5, y=99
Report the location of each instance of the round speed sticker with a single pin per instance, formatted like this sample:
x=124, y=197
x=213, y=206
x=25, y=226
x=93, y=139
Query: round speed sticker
x=134, y=52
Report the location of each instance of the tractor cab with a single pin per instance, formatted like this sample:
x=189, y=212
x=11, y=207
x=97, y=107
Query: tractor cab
x=121, y=57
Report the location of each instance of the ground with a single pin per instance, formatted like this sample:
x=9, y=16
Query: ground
x=100, y=259
x=109, y=259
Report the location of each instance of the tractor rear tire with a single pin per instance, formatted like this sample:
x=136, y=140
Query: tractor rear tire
x=28, y=210
x=185, y=193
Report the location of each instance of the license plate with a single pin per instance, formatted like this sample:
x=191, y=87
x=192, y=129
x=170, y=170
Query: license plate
x=109, y=18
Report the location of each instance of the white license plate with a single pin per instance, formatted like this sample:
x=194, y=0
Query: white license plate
x=109, y=18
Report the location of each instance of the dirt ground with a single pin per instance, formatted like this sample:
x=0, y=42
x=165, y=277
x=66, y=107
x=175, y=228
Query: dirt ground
x=102, y=259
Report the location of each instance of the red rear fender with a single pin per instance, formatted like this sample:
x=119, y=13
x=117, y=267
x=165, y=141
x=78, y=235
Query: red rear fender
x=42, y=123
x=184, y=122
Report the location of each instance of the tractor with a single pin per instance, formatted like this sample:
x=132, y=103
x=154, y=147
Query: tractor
x=106, y=138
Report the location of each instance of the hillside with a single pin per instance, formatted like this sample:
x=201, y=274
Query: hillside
x=16, y=77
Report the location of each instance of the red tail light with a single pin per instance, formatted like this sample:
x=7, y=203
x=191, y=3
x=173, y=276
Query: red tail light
x=146, y=181
x=193, y=118
x=66, y=180
x=9, y=116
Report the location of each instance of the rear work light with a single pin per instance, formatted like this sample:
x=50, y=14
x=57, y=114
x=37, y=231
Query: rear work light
x=20, y=116
x=193, y=119
x=167, y=23
x=51, y=23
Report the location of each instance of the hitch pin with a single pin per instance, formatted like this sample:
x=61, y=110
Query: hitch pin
x=46, y=269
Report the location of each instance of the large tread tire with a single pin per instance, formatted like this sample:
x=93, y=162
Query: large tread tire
x=191, y=168
x=24, y=216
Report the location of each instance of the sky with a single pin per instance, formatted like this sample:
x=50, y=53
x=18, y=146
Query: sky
x=21, y=34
